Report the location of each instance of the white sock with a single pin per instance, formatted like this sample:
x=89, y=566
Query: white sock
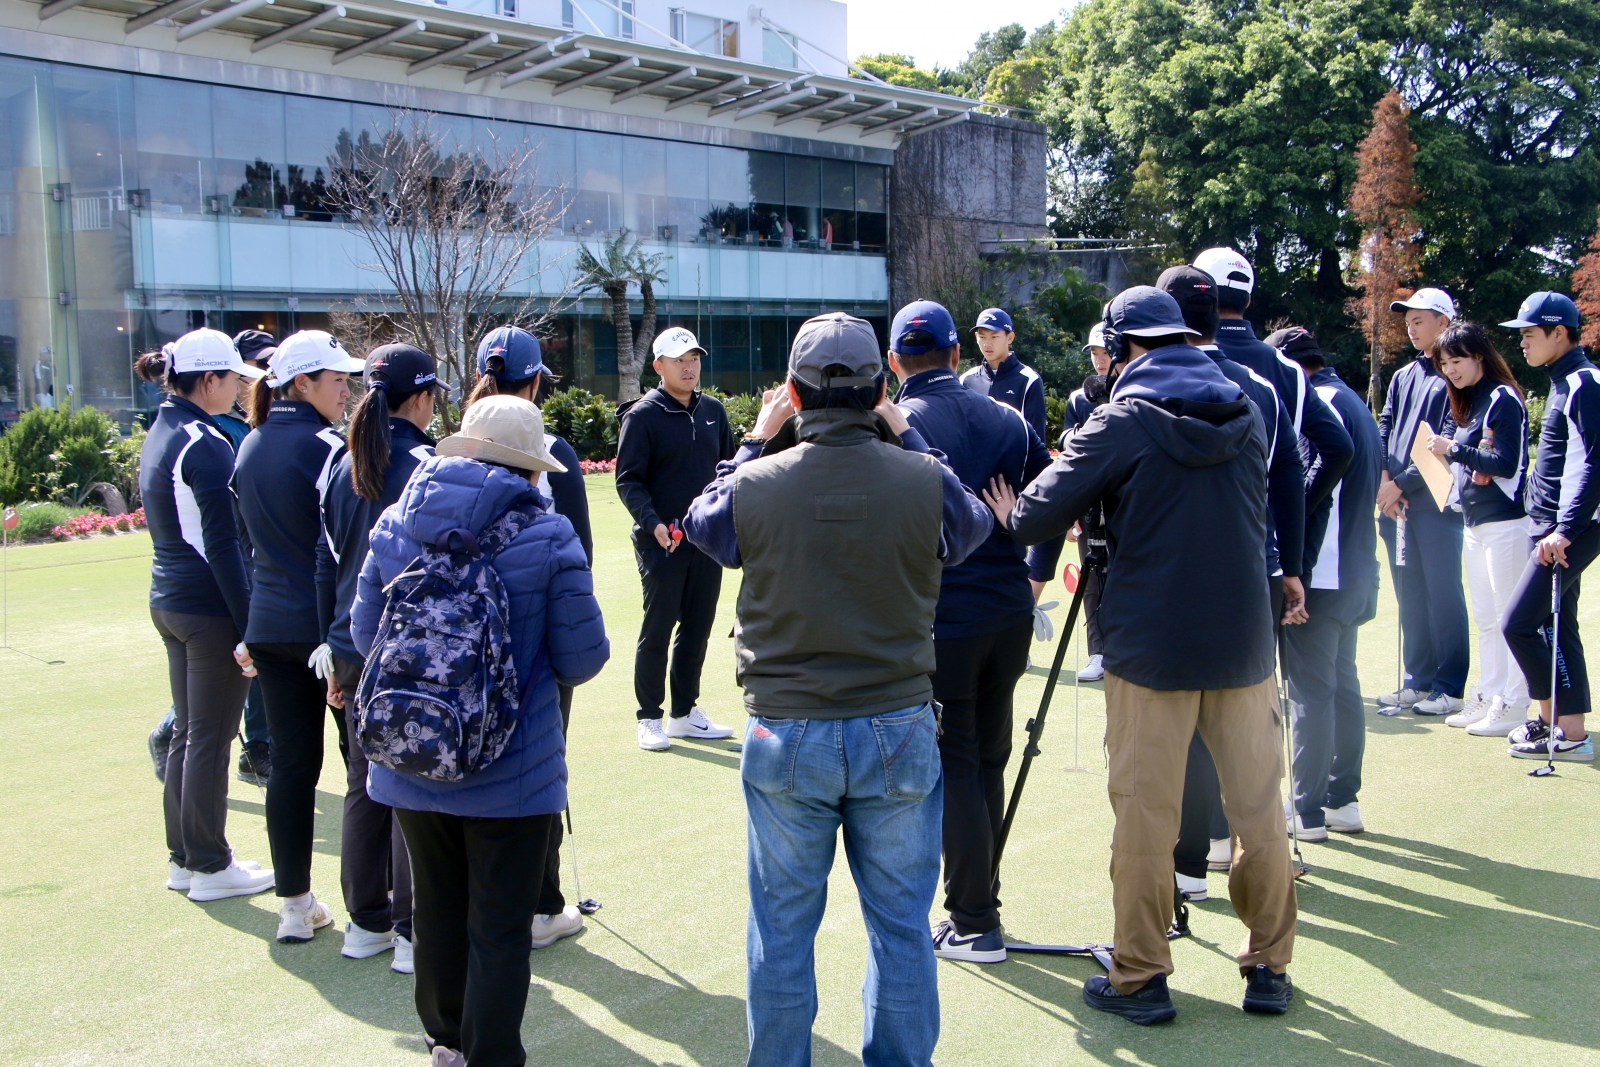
x=304, y=900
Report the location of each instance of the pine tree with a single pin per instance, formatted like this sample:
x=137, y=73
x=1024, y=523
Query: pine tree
x=1586, y=289
x=1382, y=202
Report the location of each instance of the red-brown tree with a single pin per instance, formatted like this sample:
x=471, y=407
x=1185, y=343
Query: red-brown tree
x=1586, y=289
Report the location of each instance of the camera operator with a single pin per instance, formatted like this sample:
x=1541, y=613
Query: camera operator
x=1341, y=565
x=1205, y=829
x=983, y=624
x=843, y=523
x=668, y=446
x=1178, y=459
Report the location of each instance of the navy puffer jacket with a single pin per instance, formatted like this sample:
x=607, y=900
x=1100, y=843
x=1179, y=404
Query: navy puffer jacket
x=557, y=633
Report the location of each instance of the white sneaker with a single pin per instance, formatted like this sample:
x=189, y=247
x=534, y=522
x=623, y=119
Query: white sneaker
x=234, y=880
x=1437, y=704
x=652, y=738
x=1345, y=820
x=1474, y=712
x=1404, y=698
x=403, y=962
x=1499, y=720
x=1193, y=889
x=446, y=1057
x=548, y=929
x=695, y=724
x=300, y=922
x=1297, y=828
x=361, y=943
x=1094, y=670
x=1220, y=858
x=178, y=878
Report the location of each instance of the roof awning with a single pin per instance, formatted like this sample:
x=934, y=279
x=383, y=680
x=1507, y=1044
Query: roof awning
x=511, y=52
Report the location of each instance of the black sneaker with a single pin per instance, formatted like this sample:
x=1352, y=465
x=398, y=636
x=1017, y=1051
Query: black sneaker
x=1148, y=1005
x=255, y=765
x=1266, y=993
x=159, y=741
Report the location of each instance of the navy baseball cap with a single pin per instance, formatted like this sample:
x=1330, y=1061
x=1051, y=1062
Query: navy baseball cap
x=994, y=319
x=254, y=345
x=1546, y=309
x=401, y=370
x=1298, y=343
x=517, y=350
x=924, y=316
x=1145, y=311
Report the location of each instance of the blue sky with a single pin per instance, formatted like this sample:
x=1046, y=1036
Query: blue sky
x=937, y=32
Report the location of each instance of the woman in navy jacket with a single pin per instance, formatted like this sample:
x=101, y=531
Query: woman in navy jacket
x=284, y=465
x=388, y=439
x=496, y=822
x=1489, y=455
x=199, y=600
x=510, y=363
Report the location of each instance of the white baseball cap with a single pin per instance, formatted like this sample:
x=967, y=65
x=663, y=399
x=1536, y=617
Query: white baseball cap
x=1223, y=264
x=675, y=343
x=308, y=352
x=1427, y=300
x=1097, y=336
x=202, y=350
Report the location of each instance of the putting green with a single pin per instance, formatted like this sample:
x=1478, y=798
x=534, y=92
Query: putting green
x=1462, y=928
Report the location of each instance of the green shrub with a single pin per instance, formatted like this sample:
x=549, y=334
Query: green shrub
x=742, y=412
x=1055, y=419
x=39, y=519
x=587, y=420
x=49, y=450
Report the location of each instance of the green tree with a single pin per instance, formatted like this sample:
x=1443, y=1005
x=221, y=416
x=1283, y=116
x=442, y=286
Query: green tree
x=898, y=69
x=1018, y=82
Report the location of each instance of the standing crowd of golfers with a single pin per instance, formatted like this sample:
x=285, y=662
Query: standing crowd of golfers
x=437, y=598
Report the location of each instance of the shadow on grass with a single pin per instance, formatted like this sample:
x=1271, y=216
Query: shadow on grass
x=706, y=754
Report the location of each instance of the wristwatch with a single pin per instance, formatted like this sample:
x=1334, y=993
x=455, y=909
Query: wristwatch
x=757, y=441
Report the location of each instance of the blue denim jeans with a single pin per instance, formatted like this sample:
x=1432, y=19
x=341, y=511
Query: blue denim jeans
x=879, y=777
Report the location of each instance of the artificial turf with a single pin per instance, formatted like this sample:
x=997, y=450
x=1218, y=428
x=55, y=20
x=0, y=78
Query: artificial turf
x=1462, y=928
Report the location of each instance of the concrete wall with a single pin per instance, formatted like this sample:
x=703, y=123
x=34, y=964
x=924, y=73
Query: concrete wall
x=956, y=190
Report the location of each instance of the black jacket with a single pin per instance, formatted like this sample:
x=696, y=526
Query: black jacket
x=1499, y=410
x=284, y=465
x=667, y=454
x=347, y=521
x=1178, y=458
x=1325, y=446
x=566, y=492
x=1341, y=533
x=1417, y=393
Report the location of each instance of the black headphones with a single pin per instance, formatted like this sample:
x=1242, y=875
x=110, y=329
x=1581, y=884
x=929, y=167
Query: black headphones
x=1113, y=337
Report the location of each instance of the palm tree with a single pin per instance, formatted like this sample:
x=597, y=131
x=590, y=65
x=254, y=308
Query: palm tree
x=647, y=271
x=611, y=271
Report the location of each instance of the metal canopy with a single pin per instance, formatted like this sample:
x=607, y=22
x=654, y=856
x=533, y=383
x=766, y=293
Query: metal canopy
x=501, y=52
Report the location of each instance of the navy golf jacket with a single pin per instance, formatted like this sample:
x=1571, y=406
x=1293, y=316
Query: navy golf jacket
x=1564, y=492
x=980, y=439
x=1341, y=532
x=284, y=466
x=1015, y=385
x=1496, y=410
x=185, y=468
x=1286, y=485
x=347, y=522
x=566, y=492
x=1313, y=420
x=1417, y=393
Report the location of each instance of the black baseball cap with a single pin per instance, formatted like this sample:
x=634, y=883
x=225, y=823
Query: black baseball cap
x=1196, y=294
x=1145, y=311
x=401, y=370
x=255, y=345
x=1296, y=342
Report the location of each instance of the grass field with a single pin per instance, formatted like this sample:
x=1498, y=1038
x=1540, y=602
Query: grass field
x=1462, y=928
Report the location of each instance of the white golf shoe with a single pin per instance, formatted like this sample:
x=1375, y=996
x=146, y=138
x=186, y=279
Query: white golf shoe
x=1094, y=670
x=652, y=737
x=1345, y=820
x=696, y=724
x=1193, y=889
x=1499, y=719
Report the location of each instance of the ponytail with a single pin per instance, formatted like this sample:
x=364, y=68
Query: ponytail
x=156, y=368
x=369, y=442
x=260, y=402
x=487, y=385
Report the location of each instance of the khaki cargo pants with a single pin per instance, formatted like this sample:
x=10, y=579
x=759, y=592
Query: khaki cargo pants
x=1147, y=733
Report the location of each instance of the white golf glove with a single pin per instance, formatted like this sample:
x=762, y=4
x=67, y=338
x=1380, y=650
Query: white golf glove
x=321, y=661
x=1043, y=628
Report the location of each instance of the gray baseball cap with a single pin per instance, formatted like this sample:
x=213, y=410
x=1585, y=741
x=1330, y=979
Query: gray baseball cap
x=835, y=338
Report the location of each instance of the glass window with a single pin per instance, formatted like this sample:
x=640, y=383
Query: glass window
x=315, y=129
x=687, y=186
x=706, y=33
x=173, y=134
x=597, y=196
x=838, y=184
x=780, y=49
x=767, y=219
x=644, y=183
x=591, y=16
x=872, y=223
x=250, y=149
x=729, y=348
x=803, y=195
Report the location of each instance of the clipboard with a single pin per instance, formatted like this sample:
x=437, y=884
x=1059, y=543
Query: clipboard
x=1434, y=470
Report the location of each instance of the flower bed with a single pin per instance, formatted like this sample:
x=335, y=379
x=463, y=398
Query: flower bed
x=598, y=466
x=92, y=523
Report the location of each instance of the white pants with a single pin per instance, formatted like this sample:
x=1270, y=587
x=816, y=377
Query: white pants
x=1494, y=555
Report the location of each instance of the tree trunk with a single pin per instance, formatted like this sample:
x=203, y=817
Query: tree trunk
x=647, y=325
x=627, y=363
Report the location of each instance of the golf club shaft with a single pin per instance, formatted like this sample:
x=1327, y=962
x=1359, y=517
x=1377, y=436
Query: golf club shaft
x=1036, y=724
x=1286, y=710
x=1555, y=662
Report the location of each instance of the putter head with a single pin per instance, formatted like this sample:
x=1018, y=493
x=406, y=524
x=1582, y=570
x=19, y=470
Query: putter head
x=588, y=905
x=1544, y=770
x=1301, y=870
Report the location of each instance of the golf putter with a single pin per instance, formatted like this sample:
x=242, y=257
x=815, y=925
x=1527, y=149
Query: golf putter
x=1287, y=712
x=255, y=772
x=1549, y=767
x=586, y=905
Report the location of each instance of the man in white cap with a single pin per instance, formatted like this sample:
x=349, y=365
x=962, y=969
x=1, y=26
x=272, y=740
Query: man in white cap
x=668, y=447
x=1424, y=542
